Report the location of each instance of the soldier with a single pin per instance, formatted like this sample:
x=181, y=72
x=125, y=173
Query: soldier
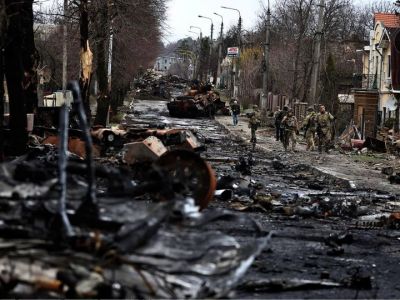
x=310, y=127
x=324, y=128
x=278, y=121
x=290, y=126
x=235, y=107
x=254, y=122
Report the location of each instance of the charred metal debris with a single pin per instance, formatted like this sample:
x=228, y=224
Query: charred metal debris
x=79, y=228
x=130, y=215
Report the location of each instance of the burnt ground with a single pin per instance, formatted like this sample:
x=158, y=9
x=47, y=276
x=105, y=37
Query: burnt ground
x=317, y=219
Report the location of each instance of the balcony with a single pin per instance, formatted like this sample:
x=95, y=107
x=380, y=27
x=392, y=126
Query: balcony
x=369, y=82
x=365, y=81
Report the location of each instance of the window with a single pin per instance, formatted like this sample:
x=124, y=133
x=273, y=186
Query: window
x=389, y=74
x=165, y=61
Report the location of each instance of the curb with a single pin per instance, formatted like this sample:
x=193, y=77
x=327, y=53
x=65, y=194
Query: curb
x=335, y=178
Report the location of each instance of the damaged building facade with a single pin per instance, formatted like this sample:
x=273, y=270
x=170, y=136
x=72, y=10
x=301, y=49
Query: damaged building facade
x=375, y=102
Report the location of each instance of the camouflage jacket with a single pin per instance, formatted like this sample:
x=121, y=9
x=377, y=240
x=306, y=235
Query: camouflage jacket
x=290, y=123
x=324, y=121
x=255, y=118
x=310, y=122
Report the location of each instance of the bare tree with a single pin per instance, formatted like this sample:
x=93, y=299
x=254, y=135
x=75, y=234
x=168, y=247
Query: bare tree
x=136, y=29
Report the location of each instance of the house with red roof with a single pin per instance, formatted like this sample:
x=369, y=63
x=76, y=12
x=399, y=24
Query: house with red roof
x=375, y=103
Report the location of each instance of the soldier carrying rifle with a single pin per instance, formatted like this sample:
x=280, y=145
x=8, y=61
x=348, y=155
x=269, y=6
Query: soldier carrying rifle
x=324, y=122
x=310, y=127
x=290, y=126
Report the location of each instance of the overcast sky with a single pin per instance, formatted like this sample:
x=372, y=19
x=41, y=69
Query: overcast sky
x=184, y=13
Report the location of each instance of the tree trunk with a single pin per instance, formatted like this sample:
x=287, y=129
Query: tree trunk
x=103, y=100
x=14, y=72
x=295, y=88
x=29, y=57
x=86, y=57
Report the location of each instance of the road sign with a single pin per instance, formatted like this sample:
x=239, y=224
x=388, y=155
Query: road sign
x=233, y=51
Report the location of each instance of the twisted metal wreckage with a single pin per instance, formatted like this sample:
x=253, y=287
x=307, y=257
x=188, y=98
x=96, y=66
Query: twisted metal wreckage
x=110, y=245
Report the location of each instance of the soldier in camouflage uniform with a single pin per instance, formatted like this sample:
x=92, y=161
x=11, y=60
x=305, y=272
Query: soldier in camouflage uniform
x=290, y=125
x=310, y=127
x=254, y=122
x=278, y=122
x=324, y=122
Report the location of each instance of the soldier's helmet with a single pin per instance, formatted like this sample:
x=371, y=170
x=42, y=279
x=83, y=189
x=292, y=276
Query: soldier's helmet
x=285, y=108
x=310, y=108
x=255, y=106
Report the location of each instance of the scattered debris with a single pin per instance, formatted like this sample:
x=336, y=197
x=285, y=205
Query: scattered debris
x=279, y=285
x=387, y=170
x=86, y=244
x=148, y=150
x=394, y=178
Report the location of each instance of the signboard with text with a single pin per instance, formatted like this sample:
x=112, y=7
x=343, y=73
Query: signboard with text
x=233, y=51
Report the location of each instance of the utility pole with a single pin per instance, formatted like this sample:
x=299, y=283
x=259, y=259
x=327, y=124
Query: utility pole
x=266, y=59
x=317, y=54
x=65, y=53
x=219, y=69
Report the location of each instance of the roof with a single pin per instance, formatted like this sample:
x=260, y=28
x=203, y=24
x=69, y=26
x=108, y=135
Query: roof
x=389, y=20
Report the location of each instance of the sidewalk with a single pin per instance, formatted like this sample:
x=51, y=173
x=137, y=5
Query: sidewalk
x=341, y=166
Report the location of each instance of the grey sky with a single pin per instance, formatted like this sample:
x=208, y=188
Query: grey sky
x=184, y=13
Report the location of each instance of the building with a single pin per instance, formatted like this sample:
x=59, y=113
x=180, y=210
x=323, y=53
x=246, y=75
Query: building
x=375, y=102
x=163, y=63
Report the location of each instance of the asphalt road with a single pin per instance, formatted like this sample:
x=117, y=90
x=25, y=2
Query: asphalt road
x=315, y=219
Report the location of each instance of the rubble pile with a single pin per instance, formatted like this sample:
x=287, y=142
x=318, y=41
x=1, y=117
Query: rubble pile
x=328, y=232
x=157, y=87
x=79, y=228
x=391, y=139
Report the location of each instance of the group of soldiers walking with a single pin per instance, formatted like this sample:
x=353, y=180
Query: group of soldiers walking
x=315, y=125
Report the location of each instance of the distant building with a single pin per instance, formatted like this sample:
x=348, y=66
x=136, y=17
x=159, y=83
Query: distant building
x=163, y=63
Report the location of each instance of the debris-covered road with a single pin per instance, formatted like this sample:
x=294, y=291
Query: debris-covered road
x=330, y=241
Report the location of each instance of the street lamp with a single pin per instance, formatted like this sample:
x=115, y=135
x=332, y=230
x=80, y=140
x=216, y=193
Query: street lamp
x=194, y=32
x=239, y=23
x=219, y=71
x=201, y=33
x=211, y=42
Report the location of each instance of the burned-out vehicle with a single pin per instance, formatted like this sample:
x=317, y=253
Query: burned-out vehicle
x=197, y=105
